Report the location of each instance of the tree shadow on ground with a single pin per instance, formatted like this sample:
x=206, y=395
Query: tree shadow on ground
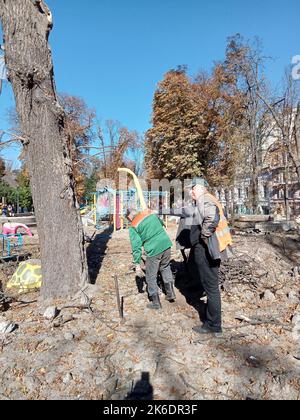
x=96, y=252
x=188, y=284
x=164, y=375
x=260, y=375
x=289, y=247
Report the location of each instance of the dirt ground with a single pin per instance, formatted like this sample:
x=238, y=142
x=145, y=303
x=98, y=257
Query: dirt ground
x=94, y=354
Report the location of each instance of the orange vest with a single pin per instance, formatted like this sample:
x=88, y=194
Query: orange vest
x=222, y=231
x=140, y=217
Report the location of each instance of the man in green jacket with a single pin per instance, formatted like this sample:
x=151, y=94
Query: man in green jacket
x=147, y=230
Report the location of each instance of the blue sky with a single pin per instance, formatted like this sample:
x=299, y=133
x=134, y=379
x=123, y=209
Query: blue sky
x=112, y=53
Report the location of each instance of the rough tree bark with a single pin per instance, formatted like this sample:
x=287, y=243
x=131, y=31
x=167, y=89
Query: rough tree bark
x=26, y=26
x=297, y=141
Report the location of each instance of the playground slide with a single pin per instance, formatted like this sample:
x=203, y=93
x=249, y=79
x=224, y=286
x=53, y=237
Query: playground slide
x=137, y=185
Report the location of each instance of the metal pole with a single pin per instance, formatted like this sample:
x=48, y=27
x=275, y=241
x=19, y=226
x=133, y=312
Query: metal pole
x=95, y=209
x=115, y=211
x=120, y=306
x=121, y=209
x=166, y=217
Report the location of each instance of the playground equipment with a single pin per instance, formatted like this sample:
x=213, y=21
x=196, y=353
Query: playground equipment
x=27, y=277
x=137, y=186
x=11, y=245
x=89, y=218
x=111, y=205
x=12, y=229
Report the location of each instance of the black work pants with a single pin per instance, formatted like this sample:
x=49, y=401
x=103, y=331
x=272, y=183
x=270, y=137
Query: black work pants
x=208, y=272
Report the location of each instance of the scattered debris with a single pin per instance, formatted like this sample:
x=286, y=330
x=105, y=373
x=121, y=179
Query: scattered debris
x=254, y=361
x=67, y=378
x=69, y=336
x=269, y=296
x=6, y=327
x=51, y=313
x=62, y=320
x=86, y=352
x=294, y=297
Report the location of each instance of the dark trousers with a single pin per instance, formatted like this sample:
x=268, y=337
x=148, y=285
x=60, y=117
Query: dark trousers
x=160, y=262
x=208, y=272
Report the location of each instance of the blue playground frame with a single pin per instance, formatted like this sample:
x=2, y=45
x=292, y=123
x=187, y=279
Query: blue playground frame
x=10, y=243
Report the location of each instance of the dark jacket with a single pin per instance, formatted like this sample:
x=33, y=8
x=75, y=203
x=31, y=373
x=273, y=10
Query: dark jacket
x=201, y=222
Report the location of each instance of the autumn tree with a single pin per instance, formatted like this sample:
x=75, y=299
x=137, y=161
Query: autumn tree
x=245, y=64
x=194, y=127
x=285, y=113
x=284, y=110
x=117, y=147
x=172, y=144
x=26, y=26
x=135, y=160
x=79, y=125
x=225, y=104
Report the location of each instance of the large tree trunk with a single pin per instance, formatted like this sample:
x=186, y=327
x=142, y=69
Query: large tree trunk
x=297, y=141
x=26, y=26
x=286, y=180
x=254, y=191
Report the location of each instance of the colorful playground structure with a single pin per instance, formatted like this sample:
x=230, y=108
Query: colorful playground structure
x=12, y=240
x=12, y=244
x=111, y=206
x=12, y=229
x=27, y=277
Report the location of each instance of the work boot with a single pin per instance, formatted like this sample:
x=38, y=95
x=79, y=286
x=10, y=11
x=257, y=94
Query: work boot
x=205, y=331
x=155, y=304
x=169, y=287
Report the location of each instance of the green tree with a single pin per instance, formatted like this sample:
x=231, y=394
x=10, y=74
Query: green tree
x=23, y=177
x=90, y=185
x=22, y=196
x=7, y=192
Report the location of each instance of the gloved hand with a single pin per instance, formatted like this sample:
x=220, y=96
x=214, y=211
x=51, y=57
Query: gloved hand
x=138, y=270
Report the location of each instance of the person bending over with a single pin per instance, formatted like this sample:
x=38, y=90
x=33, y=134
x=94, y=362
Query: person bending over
x=147, y=230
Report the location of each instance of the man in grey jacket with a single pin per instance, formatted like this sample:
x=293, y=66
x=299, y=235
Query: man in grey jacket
x=210, y=239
